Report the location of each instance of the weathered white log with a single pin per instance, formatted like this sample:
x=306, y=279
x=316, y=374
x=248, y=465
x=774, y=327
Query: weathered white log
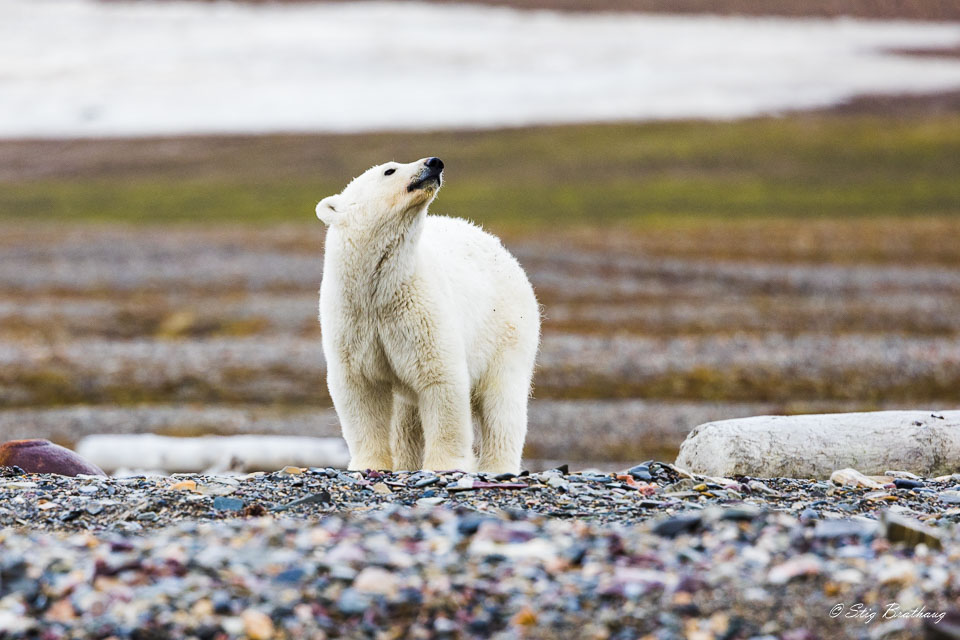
x=926, y=443
x=211, y=453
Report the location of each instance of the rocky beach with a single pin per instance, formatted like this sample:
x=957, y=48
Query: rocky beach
x=649, y=552
x=196, y=331
x=750, y=212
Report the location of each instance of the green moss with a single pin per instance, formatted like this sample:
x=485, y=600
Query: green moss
x=655, y=173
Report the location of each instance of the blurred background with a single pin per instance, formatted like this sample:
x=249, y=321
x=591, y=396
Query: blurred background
x=737, y=208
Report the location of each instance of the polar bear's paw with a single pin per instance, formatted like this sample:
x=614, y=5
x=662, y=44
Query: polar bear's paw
x=462, y=463
x=362, y=464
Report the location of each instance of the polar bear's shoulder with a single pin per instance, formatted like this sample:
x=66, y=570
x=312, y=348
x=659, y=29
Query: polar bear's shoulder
x=444, y=230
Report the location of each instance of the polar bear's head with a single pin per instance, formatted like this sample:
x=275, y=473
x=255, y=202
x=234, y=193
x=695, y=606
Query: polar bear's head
x=386, y=190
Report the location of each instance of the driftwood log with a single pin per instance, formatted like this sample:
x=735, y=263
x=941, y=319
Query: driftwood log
x=926, y=443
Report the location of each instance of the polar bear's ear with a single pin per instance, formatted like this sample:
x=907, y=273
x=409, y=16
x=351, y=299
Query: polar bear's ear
x=327, y=209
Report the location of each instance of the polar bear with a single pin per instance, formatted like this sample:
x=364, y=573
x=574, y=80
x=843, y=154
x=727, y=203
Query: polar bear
x=428, y=323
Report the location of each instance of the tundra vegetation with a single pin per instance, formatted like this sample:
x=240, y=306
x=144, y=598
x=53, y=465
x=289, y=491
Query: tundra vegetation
x=711, y=269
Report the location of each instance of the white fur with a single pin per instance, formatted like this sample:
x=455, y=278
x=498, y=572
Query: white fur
x=428, y=323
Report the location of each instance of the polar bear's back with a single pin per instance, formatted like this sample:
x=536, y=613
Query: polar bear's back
x=472, y=258
x=489, y=285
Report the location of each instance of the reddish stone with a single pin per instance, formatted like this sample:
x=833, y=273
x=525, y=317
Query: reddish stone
x=42, y=456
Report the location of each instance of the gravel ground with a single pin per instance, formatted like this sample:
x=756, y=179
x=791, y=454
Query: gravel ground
x=647, y=490
x=325, y=553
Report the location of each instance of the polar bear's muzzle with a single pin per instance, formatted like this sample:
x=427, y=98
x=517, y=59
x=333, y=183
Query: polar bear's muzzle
x=430, y=176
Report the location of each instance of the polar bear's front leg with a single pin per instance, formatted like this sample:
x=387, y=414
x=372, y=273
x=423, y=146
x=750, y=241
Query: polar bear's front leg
x=447, y=427
x=364, y=411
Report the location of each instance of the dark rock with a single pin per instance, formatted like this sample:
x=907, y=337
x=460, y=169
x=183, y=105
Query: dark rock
x=42, y=456
x=641, y=472
x=904, y=483
x=323, y=497
x=71, y=515
x=468, y=525
x=676, y=525
x=222, y=603
x=743, y=513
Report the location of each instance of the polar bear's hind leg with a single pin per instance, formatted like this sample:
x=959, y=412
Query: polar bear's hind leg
x=502, y=415
x=406, y=436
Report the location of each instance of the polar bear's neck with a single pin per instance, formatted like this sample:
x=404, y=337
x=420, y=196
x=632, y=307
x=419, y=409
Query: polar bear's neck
x=371, y=262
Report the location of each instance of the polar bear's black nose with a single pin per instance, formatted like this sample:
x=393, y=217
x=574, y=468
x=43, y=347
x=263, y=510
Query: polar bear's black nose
x=435, y=163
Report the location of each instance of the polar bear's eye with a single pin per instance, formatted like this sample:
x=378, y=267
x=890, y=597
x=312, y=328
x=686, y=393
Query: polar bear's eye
x=389, y=172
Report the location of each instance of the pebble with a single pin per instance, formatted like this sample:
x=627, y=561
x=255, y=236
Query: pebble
x=833, y=529
x=221, y=503
x=322, y=498
x=801, y=566
x=218, y=486
x=809, y=514
x=950, y=497
x=641, y=472
x=906, y=483
x=257, y=625
x=352, y=602
x=910, y=532
x=854, y=478
x=376, y=580
x=904, y=475
x=671, y=527
x=759, y=487
x=18, y=485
